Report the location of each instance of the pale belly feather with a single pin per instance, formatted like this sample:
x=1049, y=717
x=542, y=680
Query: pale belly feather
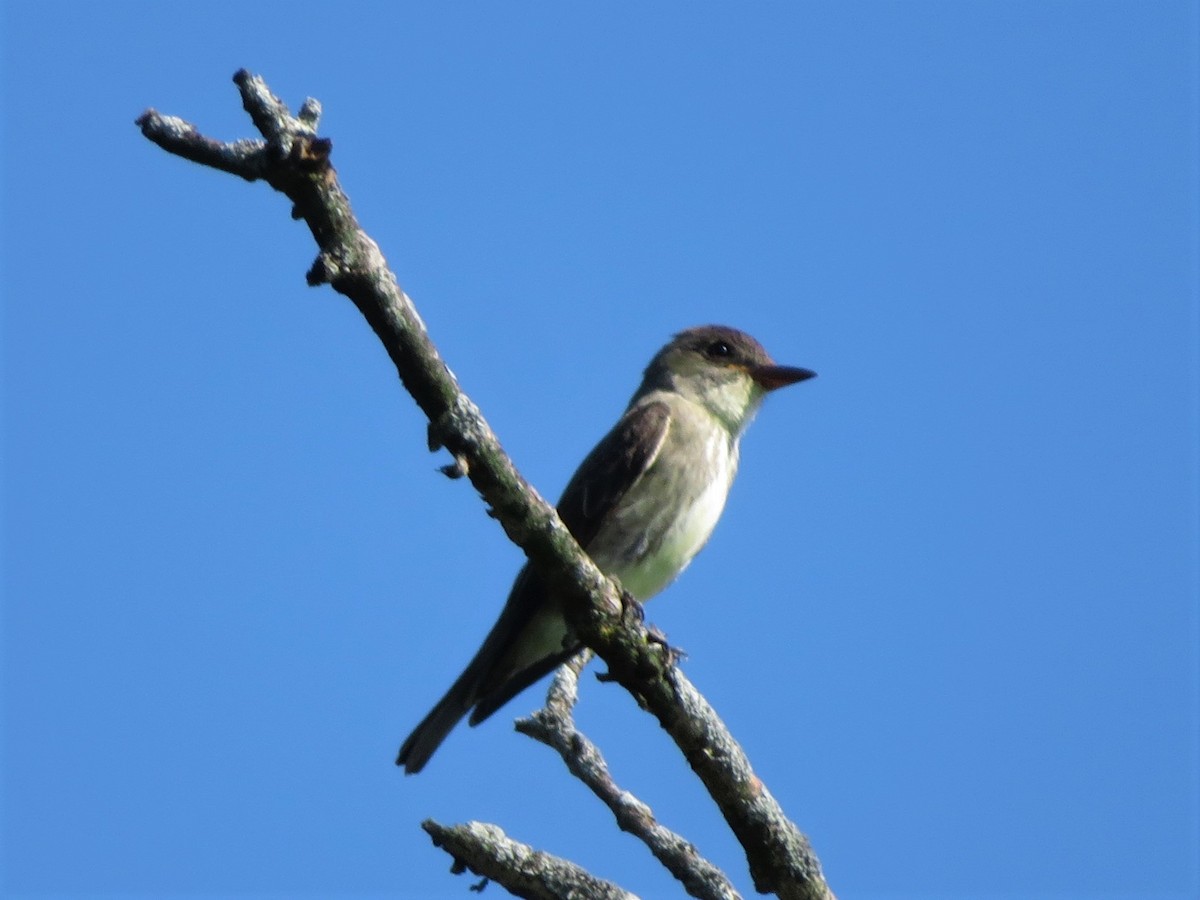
x=646, y=559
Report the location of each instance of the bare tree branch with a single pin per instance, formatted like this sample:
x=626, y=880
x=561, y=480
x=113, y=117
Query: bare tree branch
x=554, y=725
x=519, y=868
x=294, y=161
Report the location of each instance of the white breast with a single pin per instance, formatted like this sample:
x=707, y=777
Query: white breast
x=667, y=517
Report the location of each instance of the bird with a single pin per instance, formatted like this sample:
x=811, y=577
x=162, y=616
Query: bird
x=641, y=504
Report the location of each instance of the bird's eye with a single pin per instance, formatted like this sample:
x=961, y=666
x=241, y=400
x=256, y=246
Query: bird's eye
x=718, y=348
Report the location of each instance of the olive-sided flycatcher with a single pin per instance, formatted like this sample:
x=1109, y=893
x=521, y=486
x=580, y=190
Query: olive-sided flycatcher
x=642, y=504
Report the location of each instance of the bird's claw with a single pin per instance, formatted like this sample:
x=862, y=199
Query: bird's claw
x=674, y=655
x=631, y=608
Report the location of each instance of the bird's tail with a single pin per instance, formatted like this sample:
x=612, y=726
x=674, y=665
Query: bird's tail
x=512, y=657
x=428, y=736
x=462, y=696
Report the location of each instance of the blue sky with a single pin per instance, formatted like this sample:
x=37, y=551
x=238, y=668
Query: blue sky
x=951, y=611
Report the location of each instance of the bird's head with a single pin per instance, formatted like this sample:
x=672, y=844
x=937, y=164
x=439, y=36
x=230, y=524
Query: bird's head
x=724, y=370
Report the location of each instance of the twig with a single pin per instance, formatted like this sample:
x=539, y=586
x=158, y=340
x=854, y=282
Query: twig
x=554, y=726
x=519, y=868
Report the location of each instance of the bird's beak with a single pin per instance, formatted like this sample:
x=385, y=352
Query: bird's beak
x=772, y=377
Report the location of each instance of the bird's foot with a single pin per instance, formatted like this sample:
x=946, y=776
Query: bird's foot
x=674, y=655
x=631, y=609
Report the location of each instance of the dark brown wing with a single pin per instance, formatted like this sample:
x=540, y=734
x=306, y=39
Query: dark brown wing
x=615, y=464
